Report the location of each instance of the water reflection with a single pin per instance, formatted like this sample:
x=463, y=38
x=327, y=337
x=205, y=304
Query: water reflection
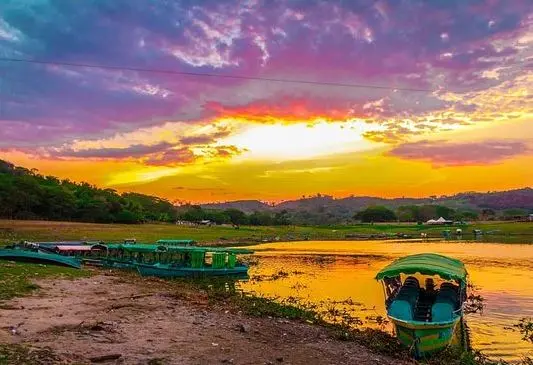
x=334, y=272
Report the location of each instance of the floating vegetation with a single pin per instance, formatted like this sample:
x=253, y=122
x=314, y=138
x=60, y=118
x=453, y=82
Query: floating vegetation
x=250, y=260
x=281, y=274
x=320, y=259
x=525, y=326
x=298, y=286
x=381, y=321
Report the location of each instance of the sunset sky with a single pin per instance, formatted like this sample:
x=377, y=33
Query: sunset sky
x=222, y=100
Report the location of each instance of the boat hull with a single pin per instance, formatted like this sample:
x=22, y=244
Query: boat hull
x=425, y=338
x=39, y=257
x=176, y=272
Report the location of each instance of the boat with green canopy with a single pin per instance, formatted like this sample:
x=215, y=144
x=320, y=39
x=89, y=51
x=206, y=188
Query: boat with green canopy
x=176, y=261
x=196, y=262
x=427, y=317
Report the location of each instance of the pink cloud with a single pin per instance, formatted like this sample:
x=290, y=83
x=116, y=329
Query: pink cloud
x=446, y=153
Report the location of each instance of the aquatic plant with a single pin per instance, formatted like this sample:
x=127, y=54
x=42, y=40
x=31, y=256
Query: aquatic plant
x=525, y=326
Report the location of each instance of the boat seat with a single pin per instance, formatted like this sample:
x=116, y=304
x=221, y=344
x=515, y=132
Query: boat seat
x=442, y=312
x=403, y=305
x=445, y=304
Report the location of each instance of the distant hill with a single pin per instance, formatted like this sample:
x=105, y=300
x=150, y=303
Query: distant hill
x=345, y=207
x=247, y=206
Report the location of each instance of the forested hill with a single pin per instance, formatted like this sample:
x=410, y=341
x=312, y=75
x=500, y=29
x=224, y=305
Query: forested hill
x=323, y=209
x=498, y=200
x=25, y=194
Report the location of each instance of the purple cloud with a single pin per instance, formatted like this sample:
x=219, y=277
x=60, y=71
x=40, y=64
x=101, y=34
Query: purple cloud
x=137, y=150
x=446, y=153
x=423, y=45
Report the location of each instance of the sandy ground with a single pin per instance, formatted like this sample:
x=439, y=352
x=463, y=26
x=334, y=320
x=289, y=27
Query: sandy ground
x=146, y=324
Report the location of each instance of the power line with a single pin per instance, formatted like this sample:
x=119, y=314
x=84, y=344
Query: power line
x=214, y=75
x=199, y=74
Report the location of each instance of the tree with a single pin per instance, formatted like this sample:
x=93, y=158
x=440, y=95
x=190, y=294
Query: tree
x=376, y=214
x=260, y=219
x=237, y=217
x=445, y=212
x=26, y=194
x=282, y=218
x=467, y=215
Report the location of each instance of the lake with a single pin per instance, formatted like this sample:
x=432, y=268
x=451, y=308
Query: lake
x=334, y=271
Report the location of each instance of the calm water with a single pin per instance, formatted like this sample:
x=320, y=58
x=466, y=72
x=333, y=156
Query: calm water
x=322, y=271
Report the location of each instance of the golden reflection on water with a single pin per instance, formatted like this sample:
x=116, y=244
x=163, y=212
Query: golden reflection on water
x=502, y=274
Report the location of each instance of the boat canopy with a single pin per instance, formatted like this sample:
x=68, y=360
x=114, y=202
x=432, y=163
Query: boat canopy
x=209, y=249
x=427, y=264
x=73, y=248
x=175, y=242
x=144, y=248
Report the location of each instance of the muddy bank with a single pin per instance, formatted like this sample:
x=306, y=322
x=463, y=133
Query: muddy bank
x=145, y=322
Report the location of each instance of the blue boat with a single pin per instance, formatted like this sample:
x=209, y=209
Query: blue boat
x=427, y=315
x=38, y=256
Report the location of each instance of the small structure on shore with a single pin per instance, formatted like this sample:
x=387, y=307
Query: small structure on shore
x=440, y=221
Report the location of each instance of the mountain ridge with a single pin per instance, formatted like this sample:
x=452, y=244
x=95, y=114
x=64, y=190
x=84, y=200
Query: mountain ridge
x=521, y=198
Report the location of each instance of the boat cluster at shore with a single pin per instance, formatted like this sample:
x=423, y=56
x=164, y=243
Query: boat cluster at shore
x=165, y=258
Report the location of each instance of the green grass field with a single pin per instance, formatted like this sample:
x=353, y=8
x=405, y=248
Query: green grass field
x=11, y=231
x=16, y=278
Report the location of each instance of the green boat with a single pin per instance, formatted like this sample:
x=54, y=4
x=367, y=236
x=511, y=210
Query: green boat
x=176, y=271
x=427, y=317
x=195, y=262
x=38, y=256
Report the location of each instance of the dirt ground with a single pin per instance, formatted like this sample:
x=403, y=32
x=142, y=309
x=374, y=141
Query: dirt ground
x=102, y=315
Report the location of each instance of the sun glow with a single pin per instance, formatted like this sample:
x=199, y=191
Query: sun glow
x=141, y=175
x=301, y=140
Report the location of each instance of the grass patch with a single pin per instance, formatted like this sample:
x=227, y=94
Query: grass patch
x=11, y=231
x=16, y=277
x=19, y=354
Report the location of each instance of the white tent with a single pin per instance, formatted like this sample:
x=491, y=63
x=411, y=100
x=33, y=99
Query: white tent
x=431, y=221
x=441, y=220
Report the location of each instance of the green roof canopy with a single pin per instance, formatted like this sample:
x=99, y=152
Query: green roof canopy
x=145, y=248
x=175, y=242
x=426, y=264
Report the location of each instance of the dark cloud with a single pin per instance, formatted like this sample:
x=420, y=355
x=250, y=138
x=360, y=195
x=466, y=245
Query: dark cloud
x=138, y=150
x=446, y=153
x=205, y=138
x=172, y=157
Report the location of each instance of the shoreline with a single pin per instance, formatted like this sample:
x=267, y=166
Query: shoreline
x=70, y=317
x=145, y=320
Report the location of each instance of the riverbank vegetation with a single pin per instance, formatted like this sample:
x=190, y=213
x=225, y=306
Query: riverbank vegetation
x=26, y=194
x=14, y=230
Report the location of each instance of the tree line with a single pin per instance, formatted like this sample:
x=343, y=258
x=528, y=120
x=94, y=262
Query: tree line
x=236, y=217
x=423, y=213
x=25, y=194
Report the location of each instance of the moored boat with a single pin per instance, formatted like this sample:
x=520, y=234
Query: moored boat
x=175, y=271
x=196, y=262
x=426, y=317
x=38, y=256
